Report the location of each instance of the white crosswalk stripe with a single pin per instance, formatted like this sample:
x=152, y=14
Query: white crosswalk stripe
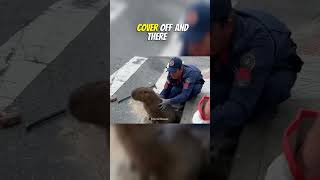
x=118, y=78
x=31, y=49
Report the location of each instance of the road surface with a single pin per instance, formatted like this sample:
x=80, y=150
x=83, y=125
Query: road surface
x=45, y=64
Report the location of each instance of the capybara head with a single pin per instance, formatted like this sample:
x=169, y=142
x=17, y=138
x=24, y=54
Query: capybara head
x=89, y=103
x=144, y=94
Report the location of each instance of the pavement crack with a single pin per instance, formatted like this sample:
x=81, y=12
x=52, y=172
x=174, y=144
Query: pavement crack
x=10, y=55
x=36, y=61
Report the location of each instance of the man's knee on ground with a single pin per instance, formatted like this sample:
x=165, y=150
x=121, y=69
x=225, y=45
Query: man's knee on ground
x=196, y=90
x=278, y=88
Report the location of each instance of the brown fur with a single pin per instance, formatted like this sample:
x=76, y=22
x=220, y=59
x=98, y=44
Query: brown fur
x=89, y=103
x=180, y=157
x=151, y=103
x=174, y=154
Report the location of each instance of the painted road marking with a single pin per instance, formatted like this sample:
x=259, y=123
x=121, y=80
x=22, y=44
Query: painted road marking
x=47, y=36
x=39, y=43
x=17, y=77
x=116, y=8
x=118, y=78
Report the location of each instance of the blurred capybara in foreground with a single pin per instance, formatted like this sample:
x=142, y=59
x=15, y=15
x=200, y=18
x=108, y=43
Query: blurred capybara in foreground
x=151, y=103
x=88, y=103
x=167, y=151
x=158, y=152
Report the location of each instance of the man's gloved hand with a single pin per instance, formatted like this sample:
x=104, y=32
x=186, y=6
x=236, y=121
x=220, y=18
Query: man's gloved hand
x=163, y=105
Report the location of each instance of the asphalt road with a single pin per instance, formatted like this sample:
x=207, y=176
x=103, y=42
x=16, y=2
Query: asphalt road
x=15, y=14
x=62, y=149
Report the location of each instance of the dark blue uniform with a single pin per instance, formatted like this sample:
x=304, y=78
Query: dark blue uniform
x=198, y=18
x=181, y=90
x=184, y=50
x=259, y=72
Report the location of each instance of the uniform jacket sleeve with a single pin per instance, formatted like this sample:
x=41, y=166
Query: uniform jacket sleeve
x=188, y=85
x=167, y=87
x=242, y=100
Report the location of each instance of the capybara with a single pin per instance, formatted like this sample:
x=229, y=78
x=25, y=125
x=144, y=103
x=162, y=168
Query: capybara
x=89, y=103
x=151, y=103
x=166, y=151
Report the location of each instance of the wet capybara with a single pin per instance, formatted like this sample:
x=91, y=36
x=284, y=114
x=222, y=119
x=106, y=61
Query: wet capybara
x=159, y=152
x=151, y=103
x=89, y=103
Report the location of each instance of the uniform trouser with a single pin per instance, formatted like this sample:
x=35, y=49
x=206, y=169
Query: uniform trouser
x=276, y=90
x=176, y=91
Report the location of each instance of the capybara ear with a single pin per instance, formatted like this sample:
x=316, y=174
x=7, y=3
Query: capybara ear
x=89, y=103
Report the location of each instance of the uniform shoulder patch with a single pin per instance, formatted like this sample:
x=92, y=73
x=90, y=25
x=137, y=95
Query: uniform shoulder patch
x=186, y=83
x=243, y=75
x=248, y=61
